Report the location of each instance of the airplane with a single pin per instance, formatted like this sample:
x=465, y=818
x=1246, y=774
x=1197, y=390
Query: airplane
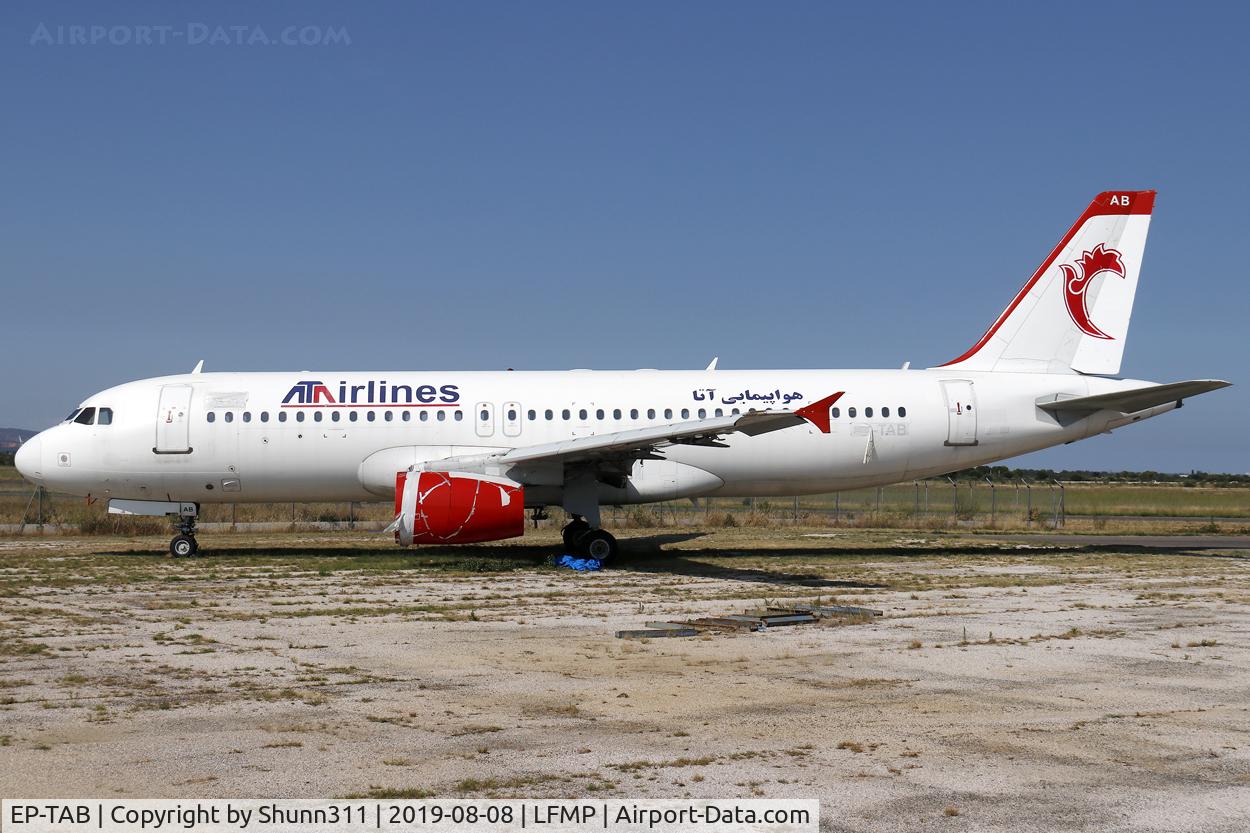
x=465, y=454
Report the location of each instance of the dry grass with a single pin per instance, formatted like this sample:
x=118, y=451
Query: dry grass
x=895, y=507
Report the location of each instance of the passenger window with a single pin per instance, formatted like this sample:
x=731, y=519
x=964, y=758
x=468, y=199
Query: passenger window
x=868, y=413
x=335, y=416
x=902, y=412
x=211, y=417
x=247, y=416
x=616, y=413
x=720, y=412
x=885, y=412
x=389, y=416
x=835, y=413
x=668, y=413
x=442, y=416
x=650, y=413
x=850, y=412
x=633, y=413
x=264, y=416
x=85, y=417
x=548, y=415
x=105, y=417
x=299, y=416
x=564, y=414
x=685, y=413
x=407, y=416
x=511, y=415
x=230, y=416
x=736, y=412
x=484, y=416
x=459, y=415
x=582, y=415
x=281, y=416
x=316, y=416
x=352, y=416
x=371, y=416
x=599, y=414
x=533, y=415
x=425, y=416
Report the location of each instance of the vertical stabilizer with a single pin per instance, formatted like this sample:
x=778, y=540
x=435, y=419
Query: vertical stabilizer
x=1073, y=313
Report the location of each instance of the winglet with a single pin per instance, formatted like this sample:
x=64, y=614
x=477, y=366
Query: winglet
x=817, y=413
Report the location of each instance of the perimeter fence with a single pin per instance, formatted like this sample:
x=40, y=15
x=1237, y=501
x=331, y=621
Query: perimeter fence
x=923, y=504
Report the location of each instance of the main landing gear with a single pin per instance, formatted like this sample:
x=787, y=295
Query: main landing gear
x=184, y=544
x=580, y=537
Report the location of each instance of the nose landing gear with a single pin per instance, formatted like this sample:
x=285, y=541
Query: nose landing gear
x=184, y=544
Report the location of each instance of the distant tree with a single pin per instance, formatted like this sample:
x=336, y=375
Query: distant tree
x=1006, y=474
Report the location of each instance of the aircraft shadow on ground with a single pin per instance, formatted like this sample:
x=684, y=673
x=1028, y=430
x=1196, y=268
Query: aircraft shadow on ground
x=648, y=554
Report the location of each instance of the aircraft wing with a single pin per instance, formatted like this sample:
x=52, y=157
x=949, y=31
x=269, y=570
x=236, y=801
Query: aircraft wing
x=1137, y=399
x=640, y=440
x=640, y=443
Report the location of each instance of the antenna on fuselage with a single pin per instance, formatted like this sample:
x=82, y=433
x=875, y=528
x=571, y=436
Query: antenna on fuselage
x=712, y=364
x=199, y=366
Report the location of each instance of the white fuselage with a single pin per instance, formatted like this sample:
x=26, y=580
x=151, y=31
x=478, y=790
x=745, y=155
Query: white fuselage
x=246, y=437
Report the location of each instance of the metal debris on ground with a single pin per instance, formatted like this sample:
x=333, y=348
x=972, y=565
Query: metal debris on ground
x=839, y=610
x=749, y=622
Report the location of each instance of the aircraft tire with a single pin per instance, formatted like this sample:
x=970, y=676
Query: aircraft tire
x=598, y=544
x=572, y=533
x=183, y=546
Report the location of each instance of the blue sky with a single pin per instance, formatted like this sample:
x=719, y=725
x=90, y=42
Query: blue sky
x=553, y=185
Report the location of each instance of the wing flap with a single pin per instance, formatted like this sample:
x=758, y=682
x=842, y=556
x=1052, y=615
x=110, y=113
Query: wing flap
x=1137, y=399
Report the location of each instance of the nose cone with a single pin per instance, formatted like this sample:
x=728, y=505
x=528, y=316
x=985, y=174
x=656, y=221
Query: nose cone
x=29, y=459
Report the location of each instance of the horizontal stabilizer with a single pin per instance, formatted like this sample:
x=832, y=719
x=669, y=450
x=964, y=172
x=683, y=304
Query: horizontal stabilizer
x=1137, y=399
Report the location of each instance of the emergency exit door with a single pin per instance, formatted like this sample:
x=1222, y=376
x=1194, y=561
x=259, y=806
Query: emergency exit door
x=961, y=410
x=512, y=419
x=173, y=420
x=485, y=417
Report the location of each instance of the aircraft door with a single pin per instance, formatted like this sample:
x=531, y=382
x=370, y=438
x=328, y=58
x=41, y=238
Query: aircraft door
x=961, y=412
x=512, y=419
x=173, y=420
x=484, y=416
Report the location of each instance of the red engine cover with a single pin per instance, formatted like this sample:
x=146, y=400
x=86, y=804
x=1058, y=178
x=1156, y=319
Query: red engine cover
x=437, y=507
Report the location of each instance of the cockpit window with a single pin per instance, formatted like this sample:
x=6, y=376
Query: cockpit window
x=85, y=417
x=105, y=417
x=73, y=414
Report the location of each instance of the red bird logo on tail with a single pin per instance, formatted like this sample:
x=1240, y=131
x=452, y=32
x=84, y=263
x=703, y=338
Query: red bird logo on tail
x=1076, y=280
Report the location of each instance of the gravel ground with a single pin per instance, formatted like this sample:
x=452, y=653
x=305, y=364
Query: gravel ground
x=1009, y=686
